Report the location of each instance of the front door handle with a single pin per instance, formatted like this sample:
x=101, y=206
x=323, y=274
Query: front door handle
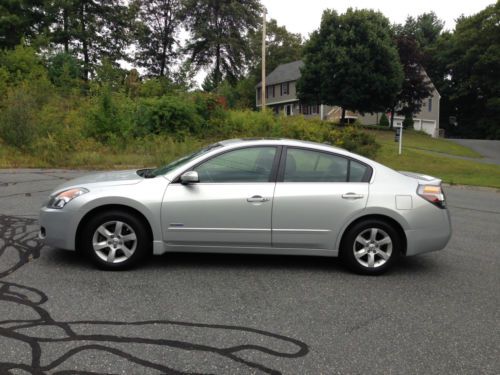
x=257, y=199
x=352, y=196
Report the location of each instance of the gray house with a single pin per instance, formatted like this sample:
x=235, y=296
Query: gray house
x=281, y=97
x=281, y=92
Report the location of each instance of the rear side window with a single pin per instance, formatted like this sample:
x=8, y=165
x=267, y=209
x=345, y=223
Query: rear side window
x=358, y=172
x=312, y=166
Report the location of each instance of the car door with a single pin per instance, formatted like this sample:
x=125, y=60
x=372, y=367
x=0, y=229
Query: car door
x=316, y=192
x=230, y=205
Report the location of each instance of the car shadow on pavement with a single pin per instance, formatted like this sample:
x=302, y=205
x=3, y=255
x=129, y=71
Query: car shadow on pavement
x=246, y=261
x=26, y=323
x=217, y=261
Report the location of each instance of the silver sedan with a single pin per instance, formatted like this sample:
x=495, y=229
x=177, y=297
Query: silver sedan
x=264, y=196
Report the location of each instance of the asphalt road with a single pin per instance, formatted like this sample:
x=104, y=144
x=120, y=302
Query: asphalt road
x=434, y=314
x=489, y=149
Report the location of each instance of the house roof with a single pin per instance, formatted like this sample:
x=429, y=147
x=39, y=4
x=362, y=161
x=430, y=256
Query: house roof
x=284, y=73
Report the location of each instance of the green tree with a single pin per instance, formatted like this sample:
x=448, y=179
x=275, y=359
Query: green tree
x=92, y=29
x=156, y=34
x=282, y=47
x=219, y=36
x=20, y=19
x=64, y=70
x=351, y=62
x=22, y=64
x=426, y=28
x=468, y=74
x=384, y=121
x=416, y=84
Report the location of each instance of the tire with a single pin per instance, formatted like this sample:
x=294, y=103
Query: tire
x=115, y=240
x=371, y=247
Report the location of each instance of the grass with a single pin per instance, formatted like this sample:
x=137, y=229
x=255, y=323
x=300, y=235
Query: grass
x=157, y=151
x=421, y=141
x=434, y=156
x=135, y=154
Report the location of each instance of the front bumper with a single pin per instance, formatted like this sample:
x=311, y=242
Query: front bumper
x=57, y=228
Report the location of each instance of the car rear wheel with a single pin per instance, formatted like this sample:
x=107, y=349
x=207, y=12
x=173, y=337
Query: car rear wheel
x=371, y=247
x=115, y=240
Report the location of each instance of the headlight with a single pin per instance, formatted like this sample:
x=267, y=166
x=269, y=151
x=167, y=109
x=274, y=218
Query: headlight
x=61, y=199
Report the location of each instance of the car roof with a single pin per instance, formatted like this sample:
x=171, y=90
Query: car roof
x=241, y=142
x=235, y=142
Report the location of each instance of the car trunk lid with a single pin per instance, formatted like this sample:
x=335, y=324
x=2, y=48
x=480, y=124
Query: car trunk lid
x=423, y=178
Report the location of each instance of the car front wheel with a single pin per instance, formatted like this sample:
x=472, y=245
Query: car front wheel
x=371, y=247
x=115, y=240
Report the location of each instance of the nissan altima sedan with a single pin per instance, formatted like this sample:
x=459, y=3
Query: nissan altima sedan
x=253, y=196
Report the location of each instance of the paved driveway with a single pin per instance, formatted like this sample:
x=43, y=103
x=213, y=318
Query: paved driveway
x=218, y=314
x=489, y=149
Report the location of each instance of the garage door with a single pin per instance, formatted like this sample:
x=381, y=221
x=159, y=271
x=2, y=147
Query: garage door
x=429, y=127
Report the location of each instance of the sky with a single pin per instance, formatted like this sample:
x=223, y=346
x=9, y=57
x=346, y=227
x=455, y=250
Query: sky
x=304, y=16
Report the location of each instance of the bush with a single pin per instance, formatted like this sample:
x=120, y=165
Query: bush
x=354, y=140
x=167, y=115
x=110, y=116
x=19, y=112
x=384, y=121
x=408, y=122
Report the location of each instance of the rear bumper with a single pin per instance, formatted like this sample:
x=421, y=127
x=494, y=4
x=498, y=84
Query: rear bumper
x=429, y=239
x=57, y=228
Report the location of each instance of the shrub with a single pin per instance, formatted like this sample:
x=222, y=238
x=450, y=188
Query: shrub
x=22, y=64
x=110, y=116
x=408, y=122
x=245, y=124
x=384, y=121
x=19, y=112
x=354, y=140
x=167, y=115
x=64, y=70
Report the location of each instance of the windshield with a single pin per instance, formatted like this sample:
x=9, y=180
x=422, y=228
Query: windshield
x=185, y=159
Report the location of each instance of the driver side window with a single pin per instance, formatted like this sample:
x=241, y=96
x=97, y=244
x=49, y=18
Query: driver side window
x=253, y=164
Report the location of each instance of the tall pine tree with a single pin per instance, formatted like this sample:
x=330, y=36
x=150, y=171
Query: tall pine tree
x=156, y=33
x=219, y=36
x=92, y=29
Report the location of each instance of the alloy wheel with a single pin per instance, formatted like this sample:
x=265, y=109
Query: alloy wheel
x=114, y=241
x=372, y=248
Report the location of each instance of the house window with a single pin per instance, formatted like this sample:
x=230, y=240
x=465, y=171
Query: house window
x=269, y=91
x=309, y=109
x=285, y=88
x=430, y=105
x=259, y=93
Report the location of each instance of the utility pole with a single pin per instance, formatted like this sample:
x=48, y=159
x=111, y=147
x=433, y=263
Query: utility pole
x=263, y=88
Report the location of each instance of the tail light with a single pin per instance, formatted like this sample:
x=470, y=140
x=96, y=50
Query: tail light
x=433, y=194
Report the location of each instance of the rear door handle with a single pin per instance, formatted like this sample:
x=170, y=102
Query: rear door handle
x=352, y=196
x=257, y=199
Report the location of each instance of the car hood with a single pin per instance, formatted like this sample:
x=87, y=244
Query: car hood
x=103, y=179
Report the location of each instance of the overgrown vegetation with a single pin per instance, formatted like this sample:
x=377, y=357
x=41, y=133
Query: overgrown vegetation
x=55, y=120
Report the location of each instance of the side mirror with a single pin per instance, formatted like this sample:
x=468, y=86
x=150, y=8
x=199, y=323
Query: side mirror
x=189, y=177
